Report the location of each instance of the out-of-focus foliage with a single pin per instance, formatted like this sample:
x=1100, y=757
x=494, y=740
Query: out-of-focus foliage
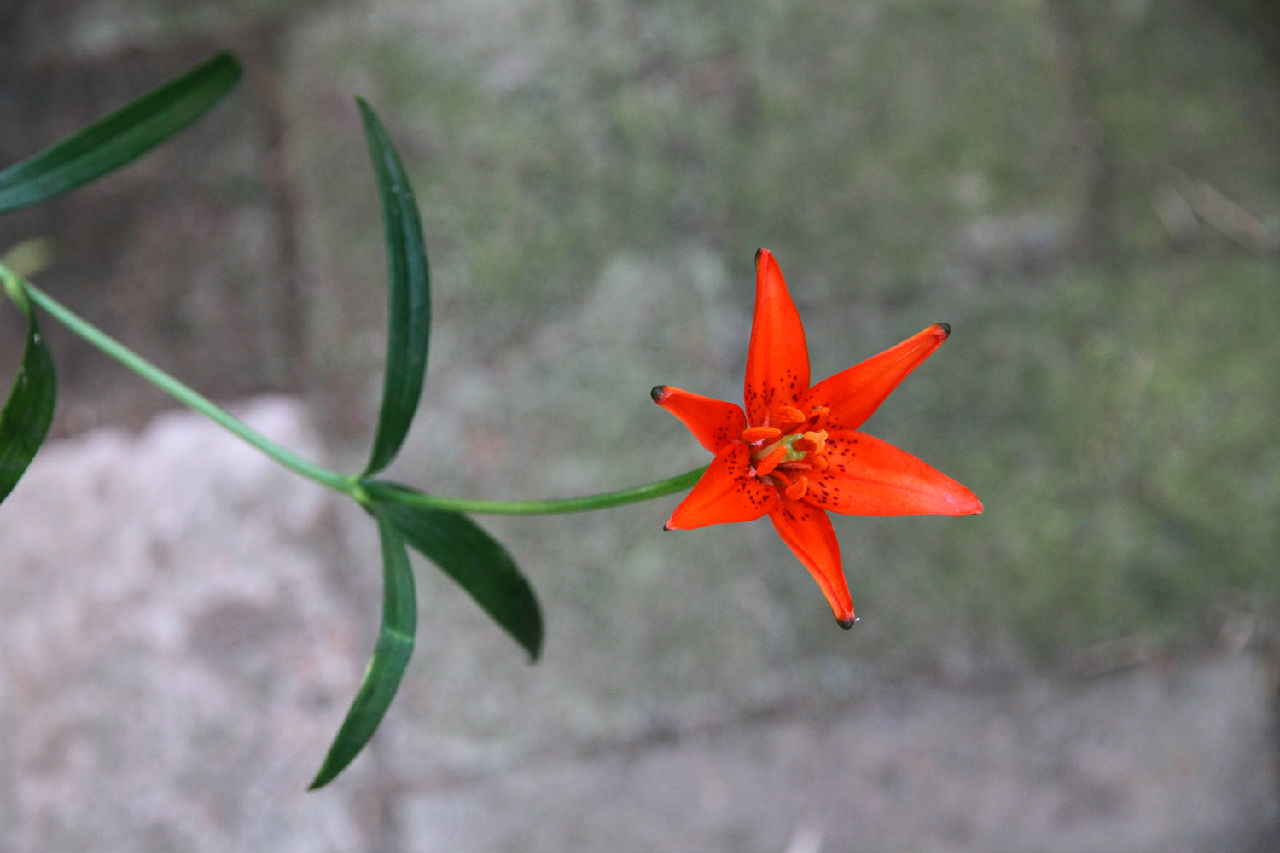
x=1089, y=193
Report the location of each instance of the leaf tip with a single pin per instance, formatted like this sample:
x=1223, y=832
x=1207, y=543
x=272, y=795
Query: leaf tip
x=535, y=647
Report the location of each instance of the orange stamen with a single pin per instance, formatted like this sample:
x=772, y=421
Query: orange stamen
x=764, y=433
x=766, y=465
x=789, y=417
x=796, y=490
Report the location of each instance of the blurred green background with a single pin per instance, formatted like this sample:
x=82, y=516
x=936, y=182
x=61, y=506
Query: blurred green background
x=1089, y=192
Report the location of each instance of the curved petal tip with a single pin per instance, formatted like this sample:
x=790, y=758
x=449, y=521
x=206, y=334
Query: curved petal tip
x=847, y=623
x=966, y=503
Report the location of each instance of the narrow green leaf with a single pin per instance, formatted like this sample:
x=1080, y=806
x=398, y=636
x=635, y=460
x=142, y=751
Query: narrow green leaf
x=409, y=300
x=473, y=558
x=119, y=137
x=390, y=655
x=28, y=411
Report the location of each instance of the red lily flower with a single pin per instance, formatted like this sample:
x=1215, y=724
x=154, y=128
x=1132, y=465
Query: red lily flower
x=796, y=452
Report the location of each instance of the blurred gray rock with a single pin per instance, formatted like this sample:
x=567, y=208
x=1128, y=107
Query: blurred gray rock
x=174, y=647
x=183, y=628
x=1143, y=760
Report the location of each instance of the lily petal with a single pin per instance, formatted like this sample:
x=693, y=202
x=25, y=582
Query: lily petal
x=854, y=394
x=868, y=476
x=808, y=533
x=727, y=492
x=714, y=423
x=777, y=357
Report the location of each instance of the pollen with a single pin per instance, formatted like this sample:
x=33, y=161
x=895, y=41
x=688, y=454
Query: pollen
x=796, y=490
x=789, y=417
x=764, y=433
x=813, y=441
x=766, y=465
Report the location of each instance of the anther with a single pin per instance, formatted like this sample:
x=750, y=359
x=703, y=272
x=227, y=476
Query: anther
x=753, y=434
x=796, y=490
x=817, y=439
x=790, y=417
x=766, y=465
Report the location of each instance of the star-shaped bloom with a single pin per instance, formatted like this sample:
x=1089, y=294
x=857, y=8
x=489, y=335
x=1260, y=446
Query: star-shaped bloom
x=794, y=452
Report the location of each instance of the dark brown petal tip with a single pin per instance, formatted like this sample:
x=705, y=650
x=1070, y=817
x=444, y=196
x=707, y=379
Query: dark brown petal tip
x=657, y=392
x=758, y=253
x=946, y=329
x=846, y=623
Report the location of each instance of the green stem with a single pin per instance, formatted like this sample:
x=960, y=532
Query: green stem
x=183, y=393
x=19, y=287
x=405, y=495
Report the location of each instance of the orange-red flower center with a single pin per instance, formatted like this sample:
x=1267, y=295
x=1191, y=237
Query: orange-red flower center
x=786, y=455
